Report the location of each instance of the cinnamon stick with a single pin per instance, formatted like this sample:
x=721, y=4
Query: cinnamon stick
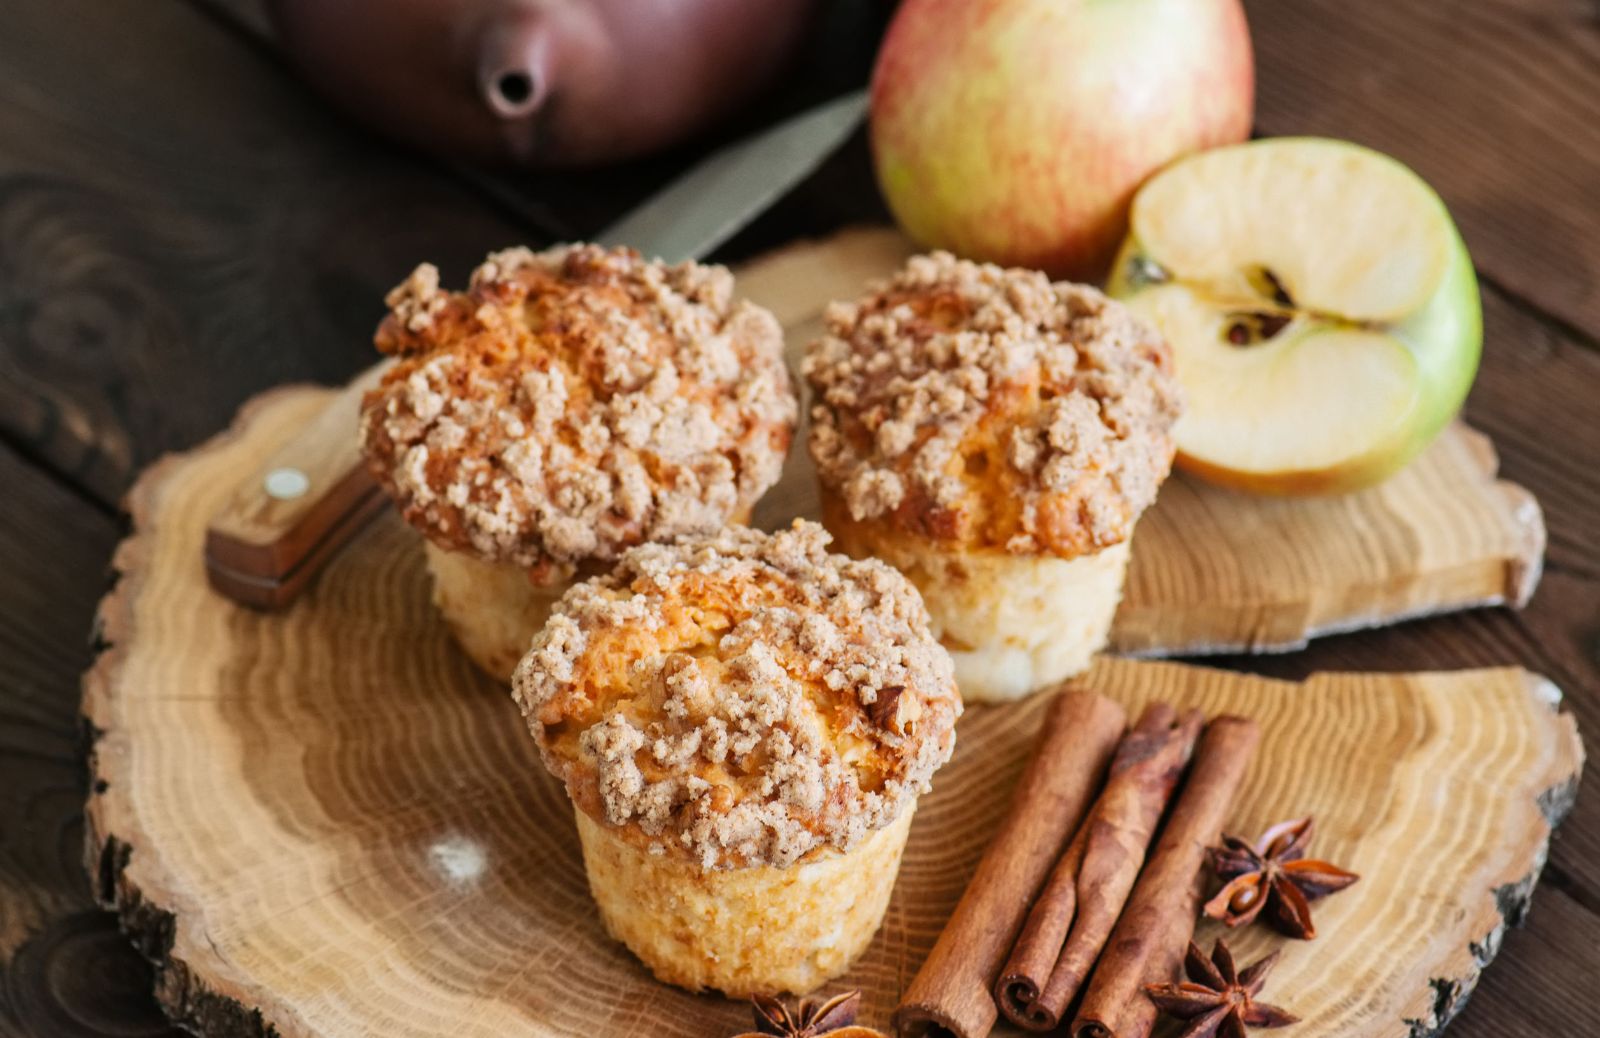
x=950, y=995
x=1148, y=944
x=1080, y=902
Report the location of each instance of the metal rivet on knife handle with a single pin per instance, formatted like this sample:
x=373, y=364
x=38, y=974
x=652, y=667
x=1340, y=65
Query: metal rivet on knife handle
x=286, y=484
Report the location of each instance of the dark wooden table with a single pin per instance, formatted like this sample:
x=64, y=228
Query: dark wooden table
x=183, y=225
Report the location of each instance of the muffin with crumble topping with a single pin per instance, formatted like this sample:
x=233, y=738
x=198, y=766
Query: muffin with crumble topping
x=995, y=436
x=569, y=405
x=744, y=722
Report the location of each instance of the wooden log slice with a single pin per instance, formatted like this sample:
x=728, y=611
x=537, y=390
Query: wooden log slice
x=326, y=822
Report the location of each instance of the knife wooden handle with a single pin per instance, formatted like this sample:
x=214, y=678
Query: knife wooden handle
x=286, y=519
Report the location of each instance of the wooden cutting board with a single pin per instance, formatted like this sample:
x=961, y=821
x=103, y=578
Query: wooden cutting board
x=325, y=822
x=1219, y=571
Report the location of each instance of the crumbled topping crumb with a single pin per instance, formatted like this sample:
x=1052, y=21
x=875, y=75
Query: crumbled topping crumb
x=416, y=300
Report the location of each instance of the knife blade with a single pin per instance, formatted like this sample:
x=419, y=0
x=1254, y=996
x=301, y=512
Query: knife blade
x=707, y=205
x=283, y=522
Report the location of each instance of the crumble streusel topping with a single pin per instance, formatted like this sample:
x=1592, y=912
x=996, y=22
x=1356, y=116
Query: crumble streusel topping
x=991, y=407
x=741, y=698
x=576, y=401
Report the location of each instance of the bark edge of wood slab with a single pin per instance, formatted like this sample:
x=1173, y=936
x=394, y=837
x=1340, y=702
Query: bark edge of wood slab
x=325, y=821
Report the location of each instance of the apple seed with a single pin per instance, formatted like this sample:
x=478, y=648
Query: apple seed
x=1265, y=281
x=1251, y=328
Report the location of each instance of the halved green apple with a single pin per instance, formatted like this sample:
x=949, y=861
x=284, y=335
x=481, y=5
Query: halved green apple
x=1321, y=307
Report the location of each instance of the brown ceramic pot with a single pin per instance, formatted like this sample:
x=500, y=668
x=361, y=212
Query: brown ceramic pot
x=540, y=82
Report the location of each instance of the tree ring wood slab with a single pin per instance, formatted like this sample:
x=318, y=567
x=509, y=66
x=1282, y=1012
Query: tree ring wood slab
x=326, y=822
x=1218, y=571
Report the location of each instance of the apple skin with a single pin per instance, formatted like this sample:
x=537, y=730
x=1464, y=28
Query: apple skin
x=1016, y=131
x=1446, y=339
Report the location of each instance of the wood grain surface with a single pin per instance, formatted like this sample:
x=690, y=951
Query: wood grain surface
x=183, y=225
x=327, y=822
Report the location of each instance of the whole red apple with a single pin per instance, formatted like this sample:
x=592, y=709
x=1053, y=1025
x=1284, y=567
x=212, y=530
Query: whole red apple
x=1016, y=131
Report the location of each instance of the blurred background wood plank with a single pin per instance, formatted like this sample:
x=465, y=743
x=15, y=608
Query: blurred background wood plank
x=64, y=968
x=44, y=645
x=182, y=224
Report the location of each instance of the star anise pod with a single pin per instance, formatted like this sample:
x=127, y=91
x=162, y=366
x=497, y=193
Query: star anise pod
x=1274, y=875
x=1216, y=999
x=834, y=1018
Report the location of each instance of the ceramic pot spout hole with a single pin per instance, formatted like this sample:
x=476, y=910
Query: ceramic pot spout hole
x=511, y=74
x=512, y=93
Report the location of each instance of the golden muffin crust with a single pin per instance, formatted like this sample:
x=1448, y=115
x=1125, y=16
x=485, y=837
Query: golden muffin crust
x=741, y=698
x=990, y=408
x=574, y=402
